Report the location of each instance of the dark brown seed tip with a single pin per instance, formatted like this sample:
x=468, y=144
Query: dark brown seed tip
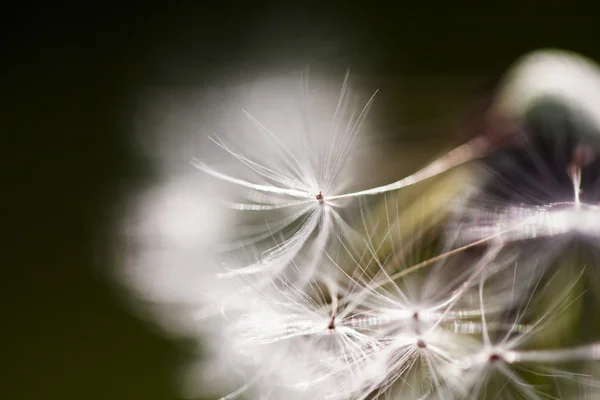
x=331, y=325
x=421, y=344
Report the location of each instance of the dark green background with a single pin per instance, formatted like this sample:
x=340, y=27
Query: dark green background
x=69, y=80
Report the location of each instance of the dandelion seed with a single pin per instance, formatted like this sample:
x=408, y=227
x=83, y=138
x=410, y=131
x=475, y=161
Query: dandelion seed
x=328, y=355
x=295, y=182
x=502, y=360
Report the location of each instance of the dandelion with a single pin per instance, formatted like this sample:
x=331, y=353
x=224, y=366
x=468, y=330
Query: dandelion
x=294, y=292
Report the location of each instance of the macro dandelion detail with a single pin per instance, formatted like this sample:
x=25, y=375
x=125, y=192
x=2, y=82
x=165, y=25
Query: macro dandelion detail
x=298, y=281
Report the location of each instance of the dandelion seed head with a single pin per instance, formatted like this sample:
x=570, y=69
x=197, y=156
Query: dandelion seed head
x=296, y=286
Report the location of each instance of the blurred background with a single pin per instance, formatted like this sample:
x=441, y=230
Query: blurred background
x=72, y=79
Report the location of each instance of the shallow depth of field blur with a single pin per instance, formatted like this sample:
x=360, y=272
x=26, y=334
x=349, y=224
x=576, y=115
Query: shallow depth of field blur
x=90, y=89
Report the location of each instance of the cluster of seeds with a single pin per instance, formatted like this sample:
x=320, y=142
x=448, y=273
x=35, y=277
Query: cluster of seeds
x=315, y=291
